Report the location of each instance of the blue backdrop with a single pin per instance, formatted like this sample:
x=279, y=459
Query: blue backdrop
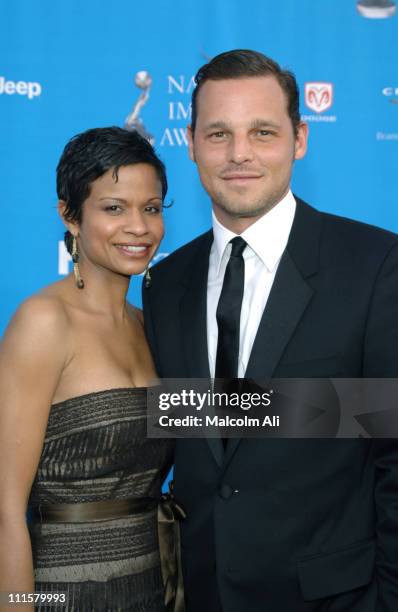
x=68, y=65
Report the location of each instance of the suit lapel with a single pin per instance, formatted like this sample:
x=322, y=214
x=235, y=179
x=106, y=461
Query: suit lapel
x=289, y=297
x=193, y=318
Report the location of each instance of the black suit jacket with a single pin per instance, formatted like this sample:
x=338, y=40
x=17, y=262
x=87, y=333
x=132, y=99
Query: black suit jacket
x=290, y=525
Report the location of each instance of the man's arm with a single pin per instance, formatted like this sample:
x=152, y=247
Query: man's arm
x=381, y=361
x=381, y=340
x=148, y=325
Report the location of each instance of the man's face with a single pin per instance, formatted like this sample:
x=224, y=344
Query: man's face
x=244, y=146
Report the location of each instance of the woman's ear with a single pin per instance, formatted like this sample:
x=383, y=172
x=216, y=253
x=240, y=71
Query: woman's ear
x=72, y=226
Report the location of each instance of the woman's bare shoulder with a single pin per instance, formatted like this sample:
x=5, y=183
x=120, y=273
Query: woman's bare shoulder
x=42, y=316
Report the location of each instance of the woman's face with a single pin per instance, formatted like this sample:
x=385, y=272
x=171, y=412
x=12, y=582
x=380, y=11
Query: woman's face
x=122, y=223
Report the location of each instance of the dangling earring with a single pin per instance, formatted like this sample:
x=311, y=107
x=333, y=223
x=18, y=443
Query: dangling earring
x=76, y=270
x=148, y=278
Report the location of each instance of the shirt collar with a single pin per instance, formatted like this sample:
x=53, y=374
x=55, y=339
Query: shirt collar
x=267, y=237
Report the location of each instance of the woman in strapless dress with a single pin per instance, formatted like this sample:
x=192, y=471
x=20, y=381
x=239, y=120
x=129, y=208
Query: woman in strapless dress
x=74, y=368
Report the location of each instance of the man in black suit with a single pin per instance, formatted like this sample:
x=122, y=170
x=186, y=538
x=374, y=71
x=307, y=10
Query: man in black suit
x=277, y=525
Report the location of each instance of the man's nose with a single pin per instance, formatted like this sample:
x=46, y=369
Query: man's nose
x=240, y=149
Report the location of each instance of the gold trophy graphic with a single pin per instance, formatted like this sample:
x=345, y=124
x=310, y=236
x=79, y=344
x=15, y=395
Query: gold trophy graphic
x=376, y=9
x=133, y=122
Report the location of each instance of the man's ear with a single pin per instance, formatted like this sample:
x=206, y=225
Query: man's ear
x=190, y=143
x=300, y=146
x=71, y=226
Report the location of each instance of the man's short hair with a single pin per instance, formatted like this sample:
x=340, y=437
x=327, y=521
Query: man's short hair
x=242, y=63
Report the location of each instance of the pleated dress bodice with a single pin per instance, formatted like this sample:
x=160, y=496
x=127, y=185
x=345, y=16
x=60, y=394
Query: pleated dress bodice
x=96, y=448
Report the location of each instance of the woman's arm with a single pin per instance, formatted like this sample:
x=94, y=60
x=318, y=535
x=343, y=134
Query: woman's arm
x=32, y=358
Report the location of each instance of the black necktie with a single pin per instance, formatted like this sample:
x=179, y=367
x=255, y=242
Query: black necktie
x=228, y=313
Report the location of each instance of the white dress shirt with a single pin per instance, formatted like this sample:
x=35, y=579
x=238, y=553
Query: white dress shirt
x=266, y=240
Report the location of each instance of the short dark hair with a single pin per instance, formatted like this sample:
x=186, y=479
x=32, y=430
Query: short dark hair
x=241, y=63
x=87, y=156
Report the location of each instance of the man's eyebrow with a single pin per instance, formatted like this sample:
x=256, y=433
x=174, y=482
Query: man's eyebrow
x=261, y=123
x=217, y=125
x=256, y=123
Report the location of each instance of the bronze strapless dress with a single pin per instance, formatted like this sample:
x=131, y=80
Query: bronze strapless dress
x=96, y=449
